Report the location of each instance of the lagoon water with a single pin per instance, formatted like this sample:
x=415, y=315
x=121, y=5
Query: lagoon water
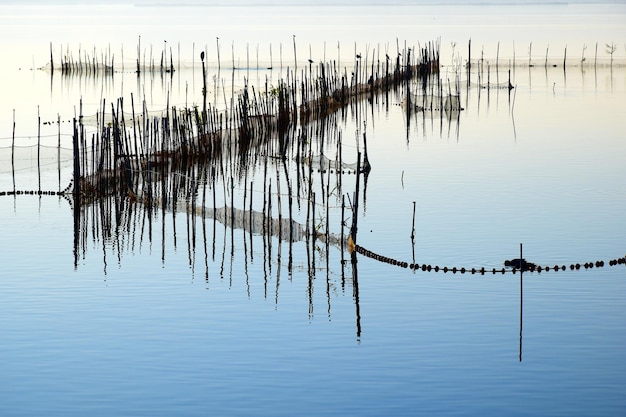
x=147, y=318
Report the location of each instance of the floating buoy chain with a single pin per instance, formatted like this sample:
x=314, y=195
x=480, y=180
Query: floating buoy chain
x=68, y=190
x=525, y=267
x=31, y=192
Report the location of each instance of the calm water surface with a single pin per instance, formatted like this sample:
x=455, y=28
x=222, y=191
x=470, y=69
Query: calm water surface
x=152, y=320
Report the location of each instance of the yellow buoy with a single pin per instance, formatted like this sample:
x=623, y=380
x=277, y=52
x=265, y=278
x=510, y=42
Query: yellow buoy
x=351, y=245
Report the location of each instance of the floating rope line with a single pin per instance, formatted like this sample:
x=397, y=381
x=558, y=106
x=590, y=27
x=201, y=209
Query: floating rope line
x=64, y=193
x=515, y=263
x=31, y=192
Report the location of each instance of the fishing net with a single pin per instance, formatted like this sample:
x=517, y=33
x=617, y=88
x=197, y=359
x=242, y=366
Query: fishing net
x=323, y=163
x=35, y=168
x=432, y=102
x=140, y=117
x=489, y=85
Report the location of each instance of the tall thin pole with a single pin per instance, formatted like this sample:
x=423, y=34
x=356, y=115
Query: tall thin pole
x=13, y=152
x=204, y=92
x=38, y=150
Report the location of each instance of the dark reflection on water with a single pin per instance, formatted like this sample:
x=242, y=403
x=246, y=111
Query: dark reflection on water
x=521, y=299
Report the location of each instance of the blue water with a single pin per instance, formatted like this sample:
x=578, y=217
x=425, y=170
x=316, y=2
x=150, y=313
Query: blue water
x=150, y=337
x=143, y=320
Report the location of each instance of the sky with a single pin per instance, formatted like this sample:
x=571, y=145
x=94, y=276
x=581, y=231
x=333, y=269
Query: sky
x=299, y=2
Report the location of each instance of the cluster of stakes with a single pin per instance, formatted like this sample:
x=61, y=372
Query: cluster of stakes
x=512, y=266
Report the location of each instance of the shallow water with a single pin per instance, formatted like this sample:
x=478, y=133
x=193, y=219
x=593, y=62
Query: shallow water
x=146, y=318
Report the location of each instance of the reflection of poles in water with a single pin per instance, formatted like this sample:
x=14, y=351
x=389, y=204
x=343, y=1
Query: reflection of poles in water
x=514, y=130
x=355, y=207
x=111, y=218
x=413, y=234
x=343, y=223
x=310, y=244
x=457, y=120
x=521, y=302
x=232, y=205
x=290, y=206
x=355, y=296
x=280, y=232
x=250, y=223
x=511, y=108
x=205, y=181
x=365, y=168
x=328, y=242
x=353, y=231
x=204, y=215
x=268, y=227
x=191, y=221
x=76, y=193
